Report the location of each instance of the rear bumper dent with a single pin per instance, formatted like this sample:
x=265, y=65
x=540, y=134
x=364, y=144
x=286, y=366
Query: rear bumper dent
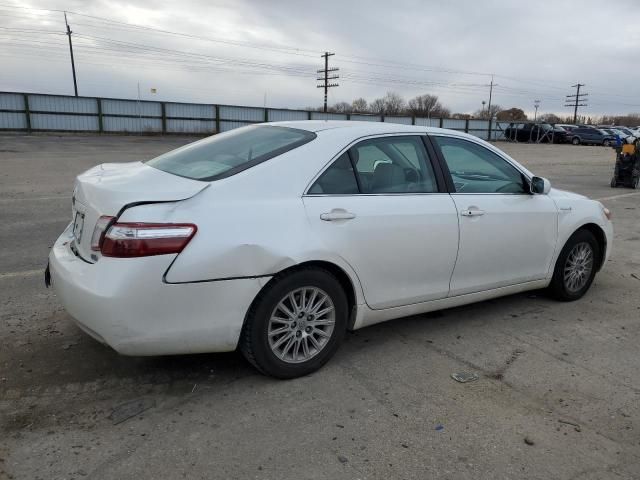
x=125, y=304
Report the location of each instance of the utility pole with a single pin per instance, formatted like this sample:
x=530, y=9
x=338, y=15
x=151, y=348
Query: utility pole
x=73, y=65
x=536, y=104
x=325, y=79
x=491, y=85
x=574, y=100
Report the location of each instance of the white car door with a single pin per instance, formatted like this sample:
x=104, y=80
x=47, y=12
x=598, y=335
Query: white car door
x=507, y=235
x=380, y=208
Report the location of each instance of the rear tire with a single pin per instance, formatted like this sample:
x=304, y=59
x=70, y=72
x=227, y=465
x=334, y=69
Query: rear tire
x=606, y=143
x=286, y=335
x=575, y=141
x=614, y=184
x=576, y=267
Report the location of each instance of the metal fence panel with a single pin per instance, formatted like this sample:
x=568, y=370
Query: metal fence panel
x=428, y=122
x=497, y=130
x=328, y=116
x=401, y=120
x=10, y=120
x=366, y=118
x=131, y=107
x=287, y=115
x=189, y=110
x=454, y=124
x=11, y=101
x=242, y=113
x=226, y=126
x=48, y=121
x=483, y=134
x=132, y=124
x=50, y=103
x=478, y=124
x=191, y=126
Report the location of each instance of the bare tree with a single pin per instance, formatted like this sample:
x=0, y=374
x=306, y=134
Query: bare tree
x=359, y=105
x=393, y=104
x=511, y=114
x=377, y=106
x=486, y=114
x=341, y=107
x=428, y=106
x=550, y=118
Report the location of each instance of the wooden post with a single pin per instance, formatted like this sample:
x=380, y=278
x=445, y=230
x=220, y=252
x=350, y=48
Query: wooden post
x=100, y=124
x=27, y=114
x=164, y=117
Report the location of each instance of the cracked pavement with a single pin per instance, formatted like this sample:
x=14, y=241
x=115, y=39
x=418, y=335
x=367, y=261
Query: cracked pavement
x=562, y=375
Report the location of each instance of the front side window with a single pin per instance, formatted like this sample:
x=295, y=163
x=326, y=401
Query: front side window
x=475, y=169
x=228, y=153
x=382, y=165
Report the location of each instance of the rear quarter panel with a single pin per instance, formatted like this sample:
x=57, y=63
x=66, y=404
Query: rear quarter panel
x=252, y=224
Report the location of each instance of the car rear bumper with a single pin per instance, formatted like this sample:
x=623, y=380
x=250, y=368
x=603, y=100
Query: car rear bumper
x=125, y=304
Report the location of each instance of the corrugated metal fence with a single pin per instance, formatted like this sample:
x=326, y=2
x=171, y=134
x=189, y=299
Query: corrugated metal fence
x=32, y=112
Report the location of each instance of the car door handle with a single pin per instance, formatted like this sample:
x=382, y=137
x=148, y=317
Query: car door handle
x=472, y=212
x=337, y=214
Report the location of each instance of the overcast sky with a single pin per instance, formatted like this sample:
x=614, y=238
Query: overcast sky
x=257, y=49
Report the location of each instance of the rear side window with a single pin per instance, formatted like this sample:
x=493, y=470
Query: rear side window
x=386, y=165
x=228, y=153
x=338, y=179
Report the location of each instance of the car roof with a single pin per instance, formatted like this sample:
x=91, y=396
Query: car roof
x=361, y=126
x=352, y=129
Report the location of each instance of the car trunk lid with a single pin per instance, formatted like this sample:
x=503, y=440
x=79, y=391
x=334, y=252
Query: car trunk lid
x=107, y=189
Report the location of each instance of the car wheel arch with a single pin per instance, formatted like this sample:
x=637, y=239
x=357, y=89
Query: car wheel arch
x=347, y=283
x=601, y=237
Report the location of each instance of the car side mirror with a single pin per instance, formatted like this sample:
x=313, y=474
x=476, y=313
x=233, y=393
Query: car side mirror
x=540, y=186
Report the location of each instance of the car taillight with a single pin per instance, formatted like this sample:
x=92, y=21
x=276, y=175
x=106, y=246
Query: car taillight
x=146, y=239
x=98, y=232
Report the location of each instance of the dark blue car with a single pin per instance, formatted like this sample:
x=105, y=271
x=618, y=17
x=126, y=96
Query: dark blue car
x=591, y=136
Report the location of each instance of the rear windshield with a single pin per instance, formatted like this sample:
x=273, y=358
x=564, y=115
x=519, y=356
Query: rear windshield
x=228, y=153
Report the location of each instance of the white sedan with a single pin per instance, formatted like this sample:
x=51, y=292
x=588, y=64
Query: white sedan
x=277, y=238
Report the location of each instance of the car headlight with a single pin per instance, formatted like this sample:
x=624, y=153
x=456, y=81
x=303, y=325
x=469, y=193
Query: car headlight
x=606, y=212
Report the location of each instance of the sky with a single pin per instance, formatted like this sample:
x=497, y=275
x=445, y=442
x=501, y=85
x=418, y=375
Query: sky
x=251, y=52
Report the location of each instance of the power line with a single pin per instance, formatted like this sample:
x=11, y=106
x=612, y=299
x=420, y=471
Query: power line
x=356, y=77
x=237, y=43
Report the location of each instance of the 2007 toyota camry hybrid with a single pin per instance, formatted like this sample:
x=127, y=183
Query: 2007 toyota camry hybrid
x=277, y=238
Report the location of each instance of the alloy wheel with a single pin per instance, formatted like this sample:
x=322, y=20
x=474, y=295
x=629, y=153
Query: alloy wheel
x=301, y=324
x=578, y=267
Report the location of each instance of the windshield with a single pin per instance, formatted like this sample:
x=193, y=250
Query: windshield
x=228, y=153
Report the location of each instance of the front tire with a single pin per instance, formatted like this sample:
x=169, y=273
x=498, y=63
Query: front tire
x=576, y=267
x=575, y=141
x=296, y=323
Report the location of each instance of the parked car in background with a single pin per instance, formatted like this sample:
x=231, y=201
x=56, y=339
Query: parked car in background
x=535, y=132
x=277, y=238
x=615, y=132
x=586, y=135
x=627, y=132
